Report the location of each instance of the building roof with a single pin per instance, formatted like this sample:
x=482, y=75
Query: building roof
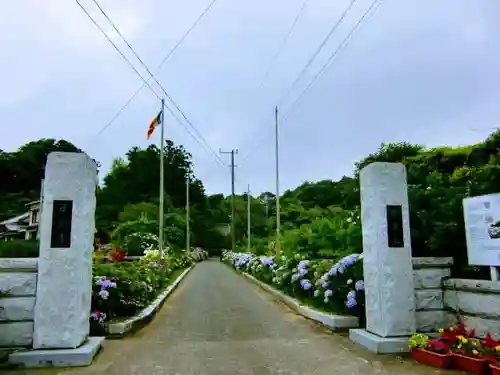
x=14, y=220
x=32, y=203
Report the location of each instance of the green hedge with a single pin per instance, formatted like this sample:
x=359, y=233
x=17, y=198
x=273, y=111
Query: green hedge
x=19, y=249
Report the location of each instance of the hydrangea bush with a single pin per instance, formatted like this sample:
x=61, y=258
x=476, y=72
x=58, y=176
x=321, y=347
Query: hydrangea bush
x=197, y=254
x=333, y=286
x=121, y=289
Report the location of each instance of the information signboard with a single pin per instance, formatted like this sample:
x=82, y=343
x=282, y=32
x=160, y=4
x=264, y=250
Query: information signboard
x=482, y=229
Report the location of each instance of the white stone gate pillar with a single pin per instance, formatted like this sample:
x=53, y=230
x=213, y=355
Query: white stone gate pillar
x=387, y=264
x=64, y=285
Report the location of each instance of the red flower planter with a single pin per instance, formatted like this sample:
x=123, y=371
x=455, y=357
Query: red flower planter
x=433, y=359
x=476, y=366
x=495, y=370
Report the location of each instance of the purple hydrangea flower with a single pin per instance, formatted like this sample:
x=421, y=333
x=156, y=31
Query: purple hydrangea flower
x=359, y=285
x=306, y=284
x=104, y=294
x=350, y=303
x=351, y=294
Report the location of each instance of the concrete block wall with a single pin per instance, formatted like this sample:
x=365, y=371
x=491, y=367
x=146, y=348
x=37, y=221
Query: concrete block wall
x=429, y=274
x=18, y=277
x=477, y=301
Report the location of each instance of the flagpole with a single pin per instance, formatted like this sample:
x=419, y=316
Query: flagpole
x=160, y=219
x=188, y=238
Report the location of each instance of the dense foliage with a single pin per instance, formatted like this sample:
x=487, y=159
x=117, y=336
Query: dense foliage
x=322, y=219
x=319, y=220
x=332, y=286
x=121, y=288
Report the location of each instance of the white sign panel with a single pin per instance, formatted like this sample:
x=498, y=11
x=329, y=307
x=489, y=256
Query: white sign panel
x=482, y=229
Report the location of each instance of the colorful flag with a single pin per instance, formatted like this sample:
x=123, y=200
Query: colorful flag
x=154, y=123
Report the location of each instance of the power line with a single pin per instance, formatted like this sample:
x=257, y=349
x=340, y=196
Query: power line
x=283, y=45
x=373, y=6
x=219, y=160
x=318, y=50
x=313, y=57
x=285, y=41
x=118, y=50
x=159, y=84
x=330, y=60
x=179, y=42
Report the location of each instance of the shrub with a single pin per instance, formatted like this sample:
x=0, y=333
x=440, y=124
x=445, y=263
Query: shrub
x=135, y=244
x=121, y=289
x=334, y=286
x=19, y=249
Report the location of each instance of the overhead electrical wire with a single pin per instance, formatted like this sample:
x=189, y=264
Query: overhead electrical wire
x=262, y=128
x=345, y=42
x=316, y=53
x=118, y=50
x=174, y=48
x=342, y=46
x=285, y=41
x=205, y=144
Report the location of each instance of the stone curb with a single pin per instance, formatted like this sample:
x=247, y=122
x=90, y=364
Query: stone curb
x=121, y=329
x=332, y=321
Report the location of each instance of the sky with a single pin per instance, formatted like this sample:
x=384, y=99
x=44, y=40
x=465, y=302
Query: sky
x=422, y=71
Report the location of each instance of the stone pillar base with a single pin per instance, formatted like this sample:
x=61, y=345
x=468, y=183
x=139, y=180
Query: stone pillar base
x=81, y=356
x=378, y=344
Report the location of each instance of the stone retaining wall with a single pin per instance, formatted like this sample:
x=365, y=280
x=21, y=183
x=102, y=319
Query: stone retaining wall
x=18, y=277
x=477, y=301
x=441, y=300
x=429, y=275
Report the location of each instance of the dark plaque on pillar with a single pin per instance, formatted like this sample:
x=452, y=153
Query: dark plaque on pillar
x=60, y=236
x=395, y=226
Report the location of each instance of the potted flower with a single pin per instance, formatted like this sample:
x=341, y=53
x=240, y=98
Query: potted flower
x=432, y=352
x=490, y=348
x=468, y=355
x=495, y=368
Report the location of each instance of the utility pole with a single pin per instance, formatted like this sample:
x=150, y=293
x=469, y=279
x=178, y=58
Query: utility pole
x=233, y=233
x=249, y=221
x=278, y=218
x=188, y=233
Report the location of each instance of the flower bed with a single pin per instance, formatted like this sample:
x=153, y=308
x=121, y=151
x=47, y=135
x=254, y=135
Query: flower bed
x=457, y=348
x=329, y=286
x=122, y=289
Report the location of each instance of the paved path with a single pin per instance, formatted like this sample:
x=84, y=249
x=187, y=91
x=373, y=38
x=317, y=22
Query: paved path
x=219, y=323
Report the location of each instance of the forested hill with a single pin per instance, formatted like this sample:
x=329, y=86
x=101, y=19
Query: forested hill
x=317, y=218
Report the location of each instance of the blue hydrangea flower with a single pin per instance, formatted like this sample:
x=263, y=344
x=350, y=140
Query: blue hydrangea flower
x=350, y=303
x=351, y=294
x=359, y=285
x=328, y=293
x=306, y=284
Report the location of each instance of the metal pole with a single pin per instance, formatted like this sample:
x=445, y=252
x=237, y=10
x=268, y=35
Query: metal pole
x=278, y=218
x=160, y=219
x=249, y=199
x=233, y=232
x=188, y=233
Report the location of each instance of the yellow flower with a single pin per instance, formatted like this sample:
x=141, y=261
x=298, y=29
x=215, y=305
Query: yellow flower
x=460, y=337
x=441, y=330
x=475, y=352
x=464, y=340
x=497, y=348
